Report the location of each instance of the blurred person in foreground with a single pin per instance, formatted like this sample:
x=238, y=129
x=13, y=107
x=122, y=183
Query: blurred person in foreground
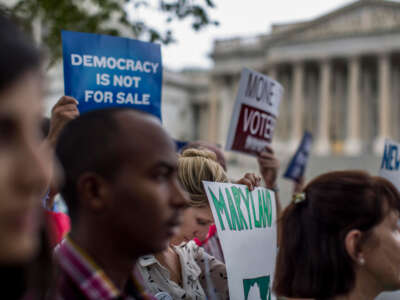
x=123, y=197
x=26, y=167
x=340, y=239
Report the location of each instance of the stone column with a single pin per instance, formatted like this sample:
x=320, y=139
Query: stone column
x=213, y=110
x=384, y=82
x=368, y=110
x=226, y=114
x=322, y=145
x=297, y=105
x=273, y=72
x=277, y=143
x=395, y=128
x=353, y=141
x=225, y=110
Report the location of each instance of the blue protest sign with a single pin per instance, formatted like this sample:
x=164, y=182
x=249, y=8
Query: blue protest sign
x=297, y=165
x=390, y=165
x=103, y=71
x=180, y=145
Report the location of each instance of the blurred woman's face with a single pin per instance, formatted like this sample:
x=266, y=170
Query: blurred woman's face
x=25, y=168
x=382, y=253
x=196, y=223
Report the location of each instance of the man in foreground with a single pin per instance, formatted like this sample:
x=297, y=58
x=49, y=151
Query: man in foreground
x=123, y=197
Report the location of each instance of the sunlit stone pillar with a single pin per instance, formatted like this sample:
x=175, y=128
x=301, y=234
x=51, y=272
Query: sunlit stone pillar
x=353, y=140
x=322, y=145
x=273, y=72
x=213, y=111
x=384, y=85
x=277, y=143
x=298, y=103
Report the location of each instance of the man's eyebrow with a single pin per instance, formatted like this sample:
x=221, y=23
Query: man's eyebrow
x=166, y=164
x=7, y=121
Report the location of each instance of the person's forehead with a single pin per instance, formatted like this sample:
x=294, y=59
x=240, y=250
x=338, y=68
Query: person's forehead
x=204, y=211
x=28, y=88
x=144, y=138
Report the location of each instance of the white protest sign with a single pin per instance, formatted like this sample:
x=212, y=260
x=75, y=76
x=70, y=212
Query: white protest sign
x=255, y=113
x=246, y=224
x=390, y=165
x=390, y=169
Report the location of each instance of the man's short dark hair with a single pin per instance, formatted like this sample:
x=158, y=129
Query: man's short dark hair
x=89, y=143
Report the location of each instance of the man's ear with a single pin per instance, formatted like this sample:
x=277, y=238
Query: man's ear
x=94, y=192
x=353, y=246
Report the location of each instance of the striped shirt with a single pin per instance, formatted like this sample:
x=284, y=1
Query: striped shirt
x=81, y=278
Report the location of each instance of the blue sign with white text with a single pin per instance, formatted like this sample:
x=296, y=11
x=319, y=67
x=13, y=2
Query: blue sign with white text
x=390, y=164
x=297, y=165
x=391, y=157
x=180, y=145
x=103, y=71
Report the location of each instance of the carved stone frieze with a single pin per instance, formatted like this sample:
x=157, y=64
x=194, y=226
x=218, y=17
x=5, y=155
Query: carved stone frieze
x=362, y=20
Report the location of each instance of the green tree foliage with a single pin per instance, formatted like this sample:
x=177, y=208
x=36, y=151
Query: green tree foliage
x=108, y=17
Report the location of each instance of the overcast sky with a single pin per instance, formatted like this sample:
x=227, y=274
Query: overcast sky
x=238, y=18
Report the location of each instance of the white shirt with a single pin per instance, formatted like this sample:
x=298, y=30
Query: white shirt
x=389, y=296
x=195, y=285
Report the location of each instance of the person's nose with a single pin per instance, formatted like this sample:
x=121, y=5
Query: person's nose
x=180, y=197
x=202, y=234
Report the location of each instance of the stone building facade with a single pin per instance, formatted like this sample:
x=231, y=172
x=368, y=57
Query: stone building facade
x=340, y=72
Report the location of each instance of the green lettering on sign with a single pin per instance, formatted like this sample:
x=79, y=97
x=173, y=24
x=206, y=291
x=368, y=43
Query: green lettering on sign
x=220, y=206
x=262, y=284
x=257, y=223
x=261, y=208
x=232, y=209
x=236, y=196
x=247, y=203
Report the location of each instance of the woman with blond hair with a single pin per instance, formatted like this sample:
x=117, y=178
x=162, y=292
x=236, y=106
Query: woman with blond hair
x=184, y=270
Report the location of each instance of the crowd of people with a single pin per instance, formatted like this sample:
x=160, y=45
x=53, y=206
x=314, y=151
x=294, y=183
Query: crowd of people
x=139, y=225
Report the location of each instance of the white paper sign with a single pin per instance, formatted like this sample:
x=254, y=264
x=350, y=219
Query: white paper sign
x=255, y=113
x=246, y=224
x=390, y=165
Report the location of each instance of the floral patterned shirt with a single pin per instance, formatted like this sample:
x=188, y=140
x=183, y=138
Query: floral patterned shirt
x=203, y=276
